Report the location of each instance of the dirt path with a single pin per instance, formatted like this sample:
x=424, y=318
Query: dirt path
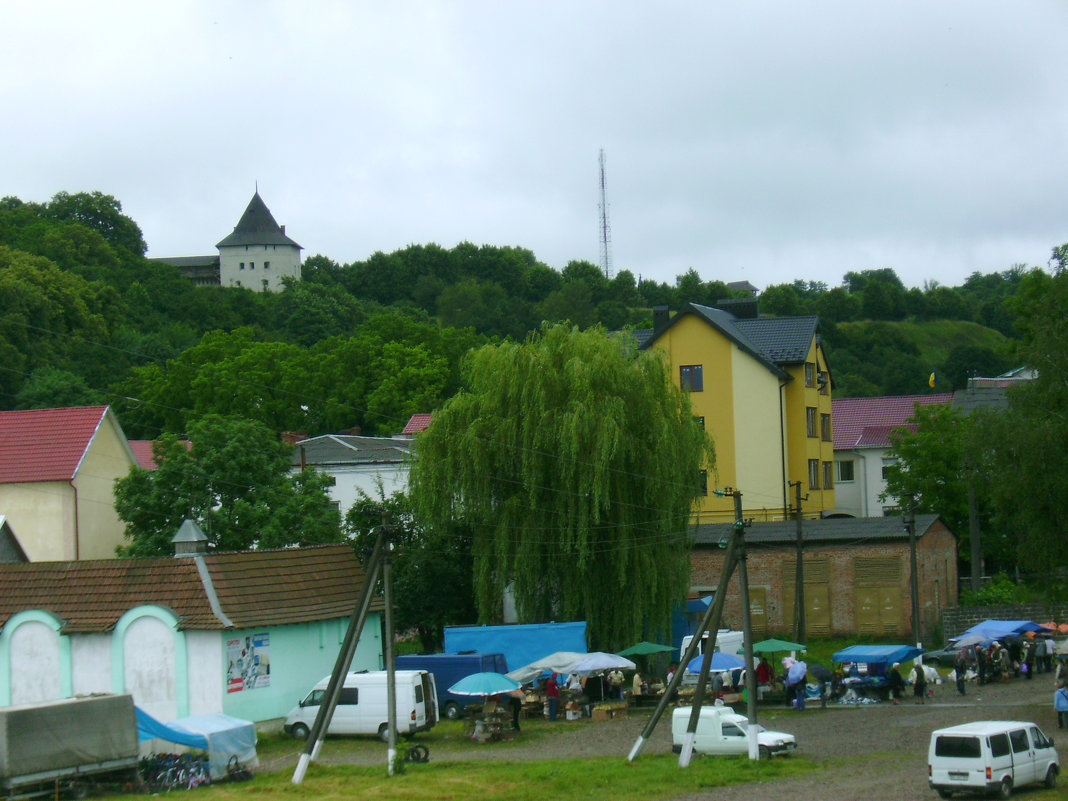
x=871, y=752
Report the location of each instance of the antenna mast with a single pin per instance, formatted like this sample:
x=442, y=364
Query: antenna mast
x=606, y=227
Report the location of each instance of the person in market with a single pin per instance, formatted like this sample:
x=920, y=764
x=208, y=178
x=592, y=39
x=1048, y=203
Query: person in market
x=960, y=668
x=552, y=695
x=895, y=683
x=980, y=663
x=1060, y=703
x=1028, y=668
x=615, y=681
x=919, y=682
x=1060, y=674
x=636, y=685
x=797, y=676
x=764, y=676
x=515, y=704
x=1040, y=654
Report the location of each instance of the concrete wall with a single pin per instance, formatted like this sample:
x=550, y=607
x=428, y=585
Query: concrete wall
x=244, y=265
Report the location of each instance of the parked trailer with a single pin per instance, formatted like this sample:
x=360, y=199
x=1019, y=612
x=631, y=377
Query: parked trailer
x=67, y=745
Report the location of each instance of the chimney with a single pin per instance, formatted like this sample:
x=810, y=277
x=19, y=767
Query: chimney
x=190, y=540
x=283, y=229
x=661, y=316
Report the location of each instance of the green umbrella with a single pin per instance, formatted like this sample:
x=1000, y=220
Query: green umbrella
x=643, y=648
x=773, y=646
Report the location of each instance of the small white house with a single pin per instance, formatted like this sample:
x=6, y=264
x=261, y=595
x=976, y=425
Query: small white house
x=357, y=464
x=242, y=634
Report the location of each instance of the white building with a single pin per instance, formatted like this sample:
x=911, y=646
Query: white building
x=257, y=254
x=862, y=429
x=358, y=465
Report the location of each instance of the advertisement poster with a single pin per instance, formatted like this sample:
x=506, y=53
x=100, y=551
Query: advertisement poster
x=248, y=662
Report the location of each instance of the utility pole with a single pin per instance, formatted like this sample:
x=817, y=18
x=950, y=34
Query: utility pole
x=910, y=526
x=974, y=538
x=391, y=678
x=710, y=622
x=799, y=578
x=747, y=634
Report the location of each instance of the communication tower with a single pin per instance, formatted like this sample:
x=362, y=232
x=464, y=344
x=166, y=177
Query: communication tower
x=606, y=226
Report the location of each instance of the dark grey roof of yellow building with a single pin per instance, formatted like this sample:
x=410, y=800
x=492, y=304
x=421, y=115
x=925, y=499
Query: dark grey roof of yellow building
x=773, y=341
x=257, y=226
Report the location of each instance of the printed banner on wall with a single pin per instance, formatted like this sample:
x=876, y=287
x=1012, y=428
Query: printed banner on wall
x=248, y=662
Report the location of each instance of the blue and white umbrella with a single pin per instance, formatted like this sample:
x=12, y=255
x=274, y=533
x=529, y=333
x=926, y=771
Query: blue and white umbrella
x=720, y=661
x=484, y=684
x=596, y=661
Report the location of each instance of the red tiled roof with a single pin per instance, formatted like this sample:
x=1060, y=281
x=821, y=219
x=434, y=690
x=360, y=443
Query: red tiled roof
x=142, y=449
x=417, y=423
x=867, y=422
x=254, y=588
x=46, y=444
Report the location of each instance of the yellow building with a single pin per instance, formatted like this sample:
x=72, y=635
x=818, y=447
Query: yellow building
x=762, y=389
x=57, y=481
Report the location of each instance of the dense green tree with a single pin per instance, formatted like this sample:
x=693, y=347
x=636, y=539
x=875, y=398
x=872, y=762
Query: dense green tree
x=570, y=457
x=103, y=214
x=965, y=361
x=52, y=388
x=432, y=577
x=234, y=482
x=837, y=306
x=781, y=300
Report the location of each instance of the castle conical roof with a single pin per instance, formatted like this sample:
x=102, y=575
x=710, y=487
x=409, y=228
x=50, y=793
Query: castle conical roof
x=257, y=227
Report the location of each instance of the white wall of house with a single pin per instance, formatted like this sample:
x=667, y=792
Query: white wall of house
x=350, y=480
x=206, y=664
x=148, y=667
x=250, y=266
x=35, y=669
x=860, y=496
x=90, y=656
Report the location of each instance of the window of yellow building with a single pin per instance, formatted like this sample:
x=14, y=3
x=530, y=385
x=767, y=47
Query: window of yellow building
x=810, y=419
x=828, y=475
x=825, y=427
x=814, y=474
x=810, y=374
x=691, y=378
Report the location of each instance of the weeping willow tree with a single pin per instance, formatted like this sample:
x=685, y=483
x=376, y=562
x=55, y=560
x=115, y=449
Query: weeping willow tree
x=574, y=459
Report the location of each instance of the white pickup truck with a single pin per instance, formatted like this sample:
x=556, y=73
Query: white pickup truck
x=721, y=731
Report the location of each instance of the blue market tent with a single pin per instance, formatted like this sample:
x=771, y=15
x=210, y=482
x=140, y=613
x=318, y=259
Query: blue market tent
x=996, y=629
x=877, y=654
x=220, y=735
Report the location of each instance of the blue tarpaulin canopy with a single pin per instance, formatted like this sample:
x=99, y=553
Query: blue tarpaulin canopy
x=996, y=629
x=220, y=735
x=698, y=605
x=877, y=654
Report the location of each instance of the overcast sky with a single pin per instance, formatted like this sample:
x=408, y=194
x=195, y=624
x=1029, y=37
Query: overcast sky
x=748, y=140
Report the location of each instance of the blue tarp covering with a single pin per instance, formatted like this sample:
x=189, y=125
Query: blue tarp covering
x=521, y=644
x=149, y=728
x=996, y=629
x=220, y=735
x=877, y=654
x=699, y=605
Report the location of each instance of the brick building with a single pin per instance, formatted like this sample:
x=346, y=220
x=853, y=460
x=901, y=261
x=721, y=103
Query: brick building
x=856, y=574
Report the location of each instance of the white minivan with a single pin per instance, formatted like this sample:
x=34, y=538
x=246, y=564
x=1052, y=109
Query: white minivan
x=720, y=730
x=362, y=708
x=990, y=756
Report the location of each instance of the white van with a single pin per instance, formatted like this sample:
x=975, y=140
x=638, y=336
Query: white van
x=362, y=708
x=990, y=756
x=728, y=641
x=720, y=730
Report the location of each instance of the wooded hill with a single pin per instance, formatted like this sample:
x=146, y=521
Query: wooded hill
x=86, y=318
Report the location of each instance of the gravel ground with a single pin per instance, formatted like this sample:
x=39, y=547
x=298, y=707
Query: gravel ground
x=838, y=738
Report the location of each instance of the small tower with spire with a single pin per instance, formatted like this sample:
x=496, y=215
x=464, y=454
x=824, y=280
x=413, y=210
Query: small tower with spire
x=258, y=254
